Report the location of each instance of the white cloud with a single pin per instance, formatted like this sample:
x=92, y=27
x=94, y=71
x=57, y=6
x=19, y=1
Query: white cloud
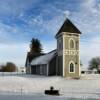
x=16, y=7
x=87, y=19
x=10, y=34
x=15, y=53
x=89, y=49
x=49, y=45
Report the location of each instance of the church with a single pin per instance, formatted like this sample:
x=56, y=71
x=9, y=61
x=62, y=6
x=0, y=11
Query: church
x=64, y=60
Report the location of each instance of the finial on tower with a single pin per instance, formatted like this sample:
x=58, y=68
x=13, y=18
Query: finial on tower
x=66, y=14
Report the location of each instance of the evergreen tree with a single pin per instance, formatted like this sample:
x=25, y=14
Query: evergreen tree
x=35, y=46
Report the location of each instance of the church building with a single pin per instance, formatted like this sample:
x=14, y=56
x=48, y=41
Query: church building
x=64, y=60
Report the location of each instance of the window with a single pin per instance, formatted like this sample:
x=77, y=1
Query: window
x=72, y=68
x=59, y=44
x=72, y=43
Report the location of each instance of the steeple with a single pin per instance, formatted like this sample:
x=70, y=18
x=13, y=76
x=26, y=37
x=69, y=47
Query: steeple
x=68, y=26
x=68, y=41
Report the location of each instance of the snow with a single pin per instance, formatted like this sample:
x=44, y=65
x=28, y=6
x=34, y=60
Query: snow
x=44, y=59
x=39, y=97
x=31, y=87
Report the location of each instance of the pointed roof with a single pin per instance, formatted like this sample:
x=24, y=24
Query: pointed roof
x=68, y=26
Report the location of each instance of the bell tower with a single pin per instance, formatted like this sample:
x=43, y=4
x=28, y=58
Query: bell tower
x=68, y=41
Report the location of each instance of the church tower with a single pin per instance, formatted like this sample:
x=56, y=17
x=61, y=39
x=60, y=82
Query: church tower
x=68, y=41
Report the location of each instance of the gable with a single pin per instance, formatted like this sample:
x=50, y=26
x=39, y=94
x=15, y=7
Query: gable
x=68, y=26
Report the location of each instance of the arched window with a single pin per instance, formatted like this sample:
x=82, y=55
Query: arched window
x=72, y=67
x=72, y=43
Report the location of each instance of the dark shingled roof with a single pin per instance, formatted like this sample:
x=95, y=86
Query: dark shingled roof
x=68, y=26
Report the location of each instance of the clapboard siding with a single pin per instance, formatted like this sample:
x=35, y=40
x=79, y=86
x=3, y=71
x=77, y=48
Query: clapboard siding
x=52, y=66
x=60, y=65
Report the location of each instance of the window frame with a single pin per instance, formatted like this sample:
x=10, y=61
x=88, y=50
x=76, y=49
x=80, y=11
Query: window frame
x=72, y=62
x=70, y=40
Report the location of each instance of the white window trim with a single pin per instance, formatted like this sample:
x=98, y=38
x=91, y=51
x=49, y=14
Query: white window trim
x=73, y=42
x=63, y=56
x=79, y=58
x=74, y=66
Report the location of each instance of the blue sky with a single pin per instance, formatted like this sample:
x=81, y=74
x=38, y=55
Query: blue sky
x=20, y=20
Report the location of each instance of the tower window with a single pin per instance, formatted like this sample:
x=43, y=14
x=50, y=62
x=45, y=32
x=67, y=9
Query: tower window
x=72, y=68
x=72, y=43
x=59, y=44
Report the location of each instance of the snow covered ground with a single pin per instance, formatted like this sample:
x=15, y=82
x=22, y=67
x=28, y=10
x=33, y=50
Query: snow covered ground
x=30, y=87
